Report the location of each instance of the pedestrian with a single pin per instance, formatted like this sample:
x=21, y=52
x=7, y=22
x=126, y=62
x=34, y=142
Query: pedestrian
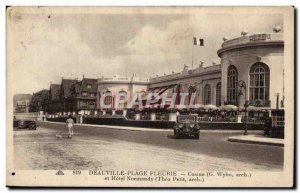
x=267, y=125
x=223, y=115
x=70, y=125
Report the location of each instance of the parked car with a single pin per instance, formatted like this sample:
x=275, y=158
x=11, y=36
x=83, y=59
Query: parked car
x=15, y=123
x=27, y=124
x=187, y=125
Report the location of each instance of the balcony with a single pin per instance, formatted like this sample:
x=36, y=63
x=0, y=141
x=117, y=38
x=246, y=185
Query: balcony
x=252, y=40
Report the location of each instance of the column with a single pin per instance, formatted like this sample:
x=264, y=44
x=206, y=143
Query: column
x=137, y=117
x=153, y=116
x=124, y=112
x=173, y=117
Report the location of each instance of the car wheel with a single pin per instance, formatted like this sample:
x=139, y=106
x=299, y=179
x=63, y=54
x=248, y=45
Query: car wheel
x=32, y=127
x=197, y=136
x=176, y=135
x=20, y=124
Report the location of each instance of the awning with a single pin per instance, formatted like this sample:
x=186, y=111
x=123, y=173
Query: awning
x=158, y=90
x=228, y=108
x=211, y=107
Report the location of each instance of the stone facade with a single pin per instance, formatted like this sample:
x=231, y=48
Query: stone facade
x=264, y=51
x=117, y=84
x=257, y=59
x=196, y=78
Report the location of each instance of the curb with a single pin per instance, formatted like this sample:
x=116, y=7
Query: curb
x=255, y=142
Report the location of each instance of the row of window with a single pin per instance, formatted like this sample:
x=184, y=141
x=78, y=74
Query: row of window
x=108, y=100
x=259, y=83
x=259, y=86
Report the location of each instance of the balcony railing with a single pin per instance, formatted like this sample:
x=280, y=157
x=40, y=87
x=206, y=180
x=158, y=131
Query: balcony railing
x=264, y=37
x=122, y=79
x=260, y=103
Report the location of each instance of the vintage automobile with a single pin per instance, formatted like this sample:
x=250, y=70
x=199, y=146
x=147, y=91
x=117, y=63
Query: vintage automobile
x=27, y=124
x=15, y=124
x=187, y=125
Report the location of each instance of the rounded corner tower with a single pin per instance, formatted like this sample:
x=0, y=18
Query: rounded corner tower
x=258, y=61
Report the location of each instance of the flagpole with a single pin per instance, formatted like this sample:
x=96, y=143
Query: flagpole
x=193, y=55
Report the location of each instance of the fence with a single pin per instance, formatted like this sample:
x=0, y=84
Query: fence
x=122, y=121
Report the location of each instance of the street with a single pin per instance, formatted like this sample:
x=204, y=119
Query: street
x=107, y=148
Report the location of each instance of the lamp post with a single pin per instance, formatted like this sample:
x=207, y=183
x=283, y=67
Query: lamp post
x=242, y=84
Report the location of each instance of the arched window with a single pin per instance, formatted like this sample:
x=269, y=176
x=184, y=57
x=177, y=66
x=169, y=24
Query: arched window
x=122, y=97
x=218, y=94
x=108, y=100
x=259, y=84
x=207, y=95
x=232, y=80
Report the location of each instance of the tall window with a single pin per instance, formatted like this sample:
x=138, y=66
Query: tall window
x=218, y=94
x=122, y=95
x=207, y=94
x=259, y=83
x=108, y=98
x=232, y=79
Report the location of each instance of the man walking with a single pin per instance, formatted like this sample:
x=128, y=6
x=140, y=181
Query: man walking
x=70, y=125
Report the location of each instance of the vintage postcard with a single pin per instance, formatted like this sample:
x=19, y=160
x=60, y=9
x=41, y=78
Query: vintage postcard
x=150, y=96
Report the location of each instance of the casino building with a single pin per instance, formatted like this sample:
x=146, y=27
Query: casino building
x=251, y=72
x=204, y=81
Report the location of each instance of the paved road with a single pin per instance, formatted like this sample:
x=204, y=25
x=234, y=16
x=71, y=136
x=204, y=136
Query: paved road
x=101, y=148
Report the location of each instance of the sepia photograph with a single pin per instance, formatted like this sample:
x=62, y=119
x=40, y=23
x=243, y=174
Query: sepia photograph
x=150, y=96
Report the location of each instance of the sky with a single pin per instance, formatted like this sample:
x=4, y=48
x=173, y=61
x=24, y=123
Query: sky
x=45, y=45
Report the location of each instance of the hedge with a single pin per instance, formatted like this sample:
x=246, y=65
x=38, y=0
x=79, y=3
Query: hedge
x=119, y=121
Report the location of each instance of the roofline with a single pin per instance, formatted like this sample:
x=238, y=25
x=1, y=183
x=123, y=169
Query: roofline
x=250, y=45
x=186, y=76
x=123, y=82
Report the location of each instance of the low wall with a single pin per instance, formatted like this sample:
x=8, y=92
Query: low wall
x=130, y=123
x=60, y=119
x=31, y=116
x=230, y=126
x=118, y=121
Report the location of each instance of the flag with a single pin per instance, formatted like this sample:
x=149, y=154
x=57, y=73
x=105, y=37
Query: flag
x=200, y=42
x=195, y=41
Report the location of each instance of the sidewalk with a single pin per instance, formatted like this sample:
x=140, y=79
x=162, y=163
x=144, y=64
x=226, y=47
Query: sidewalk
x=257, y=139
x=149, y=129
